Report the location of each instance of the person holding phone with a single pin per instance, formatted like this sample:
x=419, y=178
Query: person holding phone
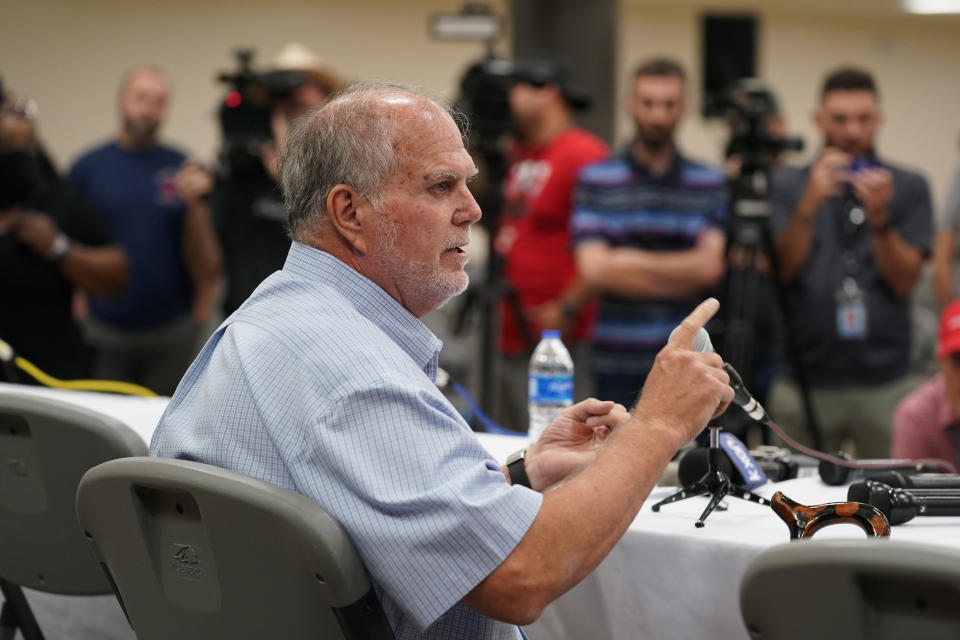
x=851, y=233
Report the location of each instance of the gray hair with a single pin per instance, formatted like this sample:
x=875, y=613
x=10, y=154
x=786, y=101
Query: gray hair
x=346, y=140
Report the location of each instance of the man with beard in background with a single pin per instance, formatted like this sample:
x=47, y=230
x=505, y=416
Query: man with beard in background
x=851, y=233
x=648, y=230
x=144, y=191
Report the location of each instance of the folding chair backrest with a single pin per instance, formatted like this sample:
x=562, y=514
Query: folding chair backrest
x=196, y=551
x=876, y=589
x=45, y=448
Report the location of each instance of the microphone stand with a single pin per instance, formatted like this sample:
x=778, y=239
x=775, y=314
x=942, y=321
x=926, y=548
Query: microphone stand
x=714, y=482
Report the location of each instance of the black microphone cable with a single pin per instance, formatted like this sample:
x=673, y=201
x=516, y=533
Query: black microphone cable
x=743, y=399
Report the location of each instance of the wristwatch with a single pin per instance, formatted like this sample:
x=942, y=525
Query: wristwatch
x=516, y=468
x=60, y=247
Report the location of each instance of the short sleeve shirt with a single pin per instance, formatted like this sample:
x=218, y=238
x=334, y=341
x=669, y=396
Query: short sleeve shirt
x=324, y=384
x=883, y=355
x=620, y=203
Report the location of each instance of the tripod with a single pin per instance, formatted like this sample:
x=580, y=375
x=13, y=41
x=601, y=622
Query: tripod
x=750, y=245
x=714, y=482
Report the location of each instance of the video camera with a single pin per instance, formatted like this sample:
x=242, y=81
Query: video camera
x=749, y=105
x=246, y=110
x=484, y=98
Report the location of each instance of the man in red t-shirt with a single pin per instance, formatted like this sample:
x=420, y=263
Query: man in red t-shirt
x=533, y=239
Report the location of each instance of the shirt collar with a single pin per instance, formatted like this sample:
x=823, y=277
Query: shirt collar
x=674, y=170
x=371, y=301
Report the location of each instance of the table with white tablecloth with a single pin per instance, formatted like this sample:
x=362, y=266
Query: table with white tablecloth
x=665, y=579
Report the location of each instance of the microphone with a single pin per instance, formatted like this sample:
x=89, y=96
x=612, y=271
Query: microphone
x=741, y=397
x=834, y=474
x=901, y=506
x=925, y=481
x=735, y=461
x=836, y=470
x=860, y=491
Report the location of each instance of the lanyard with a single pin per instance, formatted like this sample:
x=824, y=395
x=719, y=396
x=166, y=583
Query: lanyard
x=849, y=223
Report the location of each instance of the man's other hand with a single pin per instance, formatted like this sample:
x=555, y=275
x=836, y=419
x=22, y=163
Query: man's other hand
x=571, y=441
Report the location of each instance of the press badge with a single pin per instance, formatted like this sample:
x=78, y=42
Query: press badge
x=851, y=311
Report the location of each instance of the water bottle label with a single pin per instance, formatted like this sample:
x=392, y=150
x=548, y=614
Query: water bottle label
x=557, y=388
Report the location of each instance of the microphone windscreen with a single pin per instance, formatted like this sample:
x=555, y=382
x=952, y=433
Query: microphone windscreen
x=701, y=342
x=694, y=463
x=883, y=499
x=859, y=492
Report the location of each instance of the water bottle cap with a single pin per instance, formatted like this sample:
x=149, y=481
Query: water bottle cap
x=550, y=333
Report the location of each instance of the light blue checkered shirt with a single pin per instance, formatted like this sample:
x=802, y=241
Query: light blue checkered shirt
x=324, y=384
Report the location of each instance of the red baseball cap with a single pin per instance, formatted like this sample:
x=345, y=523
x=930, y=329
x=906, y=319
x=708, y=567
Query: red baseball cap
x=950, y=330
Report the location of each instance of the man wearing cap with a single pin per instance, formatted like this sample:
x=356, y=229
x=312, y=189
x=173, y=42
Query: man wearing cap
x=926, y=423
x=545, y=290
x=51, y=243
x=648, y=233
x=247, y=204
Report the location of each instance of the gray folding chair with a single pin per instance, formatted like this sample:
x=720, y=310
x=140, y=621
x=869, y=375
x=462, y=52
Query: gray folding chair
x=852, y=589
x=199, y=552
x=45, y=448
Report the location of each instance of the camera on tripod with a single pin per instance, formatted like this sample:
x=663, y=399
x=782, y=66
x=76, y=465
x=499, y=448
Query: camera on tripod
x=246, y=110
x=750, y=107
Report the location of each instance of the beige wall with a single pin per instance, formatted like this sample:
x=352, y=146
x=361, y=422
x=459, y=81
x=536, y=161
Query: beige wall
x=69, y=54
x=916, y=61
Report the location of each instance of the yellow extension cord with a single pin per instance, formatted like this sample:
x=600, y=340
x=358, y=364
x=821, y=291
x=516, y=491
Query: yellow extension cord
x=109, y=386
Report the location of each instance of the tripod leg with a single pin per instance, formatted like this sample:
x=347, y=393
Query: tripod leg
x=8, y=623
x=690, y=491
x=16, y=613
x=719, y=494
x=743, y=494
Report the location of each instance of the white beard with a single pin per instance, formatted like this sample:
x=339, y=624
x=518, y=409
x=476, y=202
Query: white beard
x=422, y=284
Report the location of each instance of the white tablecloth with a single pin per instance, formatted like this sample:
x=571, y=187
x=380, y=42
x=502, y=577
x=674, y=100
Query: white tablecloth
x=665, y=579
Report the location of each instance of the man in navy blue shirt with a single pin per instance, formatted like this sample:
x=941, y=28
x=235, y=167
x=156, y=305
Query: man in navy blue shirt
x=145, y=191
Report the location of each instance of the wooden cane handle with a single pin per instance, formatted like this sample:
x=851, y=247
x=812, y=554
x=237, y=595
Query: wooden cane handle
x=804, y=521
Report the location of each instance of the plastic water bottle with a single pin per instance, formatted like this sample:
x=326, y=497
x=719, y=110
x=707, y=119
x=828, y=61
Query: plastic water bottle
x=551, y=382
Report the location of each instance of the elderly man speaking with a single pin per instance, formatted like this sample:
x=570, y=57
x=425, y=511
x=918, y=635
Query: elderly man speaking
x=323, y=382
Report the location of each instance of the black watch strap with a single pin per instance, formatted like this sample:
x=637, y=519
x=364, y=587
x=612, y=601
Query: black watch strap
x=516, y=468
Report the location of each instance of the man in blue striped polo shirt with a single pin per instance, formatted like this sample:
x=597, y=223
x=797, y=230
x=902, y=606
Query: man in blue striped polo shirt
x=648, y=231
x=323, y=382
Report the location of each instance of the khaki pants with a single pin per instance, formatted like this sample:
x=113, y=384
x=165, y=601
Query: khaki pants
x=860, y=414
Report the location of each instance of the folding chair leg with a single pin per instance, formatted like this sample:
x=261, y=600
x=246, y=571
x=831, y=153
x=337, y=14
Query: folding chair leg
x=16, y=614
